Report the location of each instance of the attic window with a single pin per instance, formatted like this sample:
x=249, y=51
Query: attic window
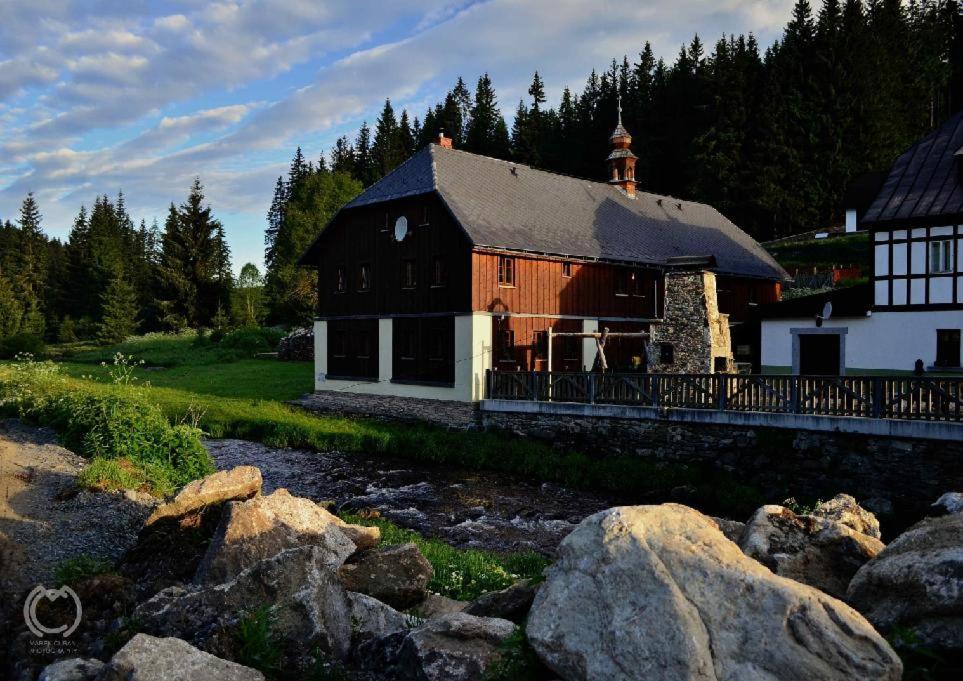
x=340, y=283
x=439, y=272
x=566, y=269
x=364, y=277
x=425, y=216
x=506, y=270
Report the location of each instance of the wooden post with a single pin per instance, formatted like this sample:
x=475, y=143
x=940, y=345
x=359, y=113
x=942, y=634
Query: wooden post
x=549, y=374
x=723, y=387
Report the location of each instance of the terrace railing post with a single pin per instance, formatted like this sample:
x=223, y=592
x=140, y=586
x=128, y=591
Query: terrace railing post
x=533, y=382
x=591, y=388
x=877, y=397
x=656, y=397
x=489, y=391
x=794, y=395
x=722, y=385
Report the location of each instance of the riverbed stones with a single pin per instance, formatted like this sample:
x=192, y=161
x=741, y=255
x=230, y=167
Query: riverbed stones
x=916, y=583
x=813, y=550
x=74, y=669
x=512, y=603
x=658, y=592
x=146, y=658
x=237, y=484
x=309, y=606
x=262, y=527
x=843, y=508
x=396, y=575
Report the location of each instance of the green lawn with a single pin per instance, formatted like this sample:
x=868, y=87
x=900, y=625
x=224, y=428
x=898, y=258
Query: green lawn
x=851, y=249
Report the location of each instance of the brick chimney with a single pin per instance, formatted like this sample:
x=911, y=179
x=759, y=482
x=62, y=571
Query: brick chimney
x=621, y=160
x=444, y=141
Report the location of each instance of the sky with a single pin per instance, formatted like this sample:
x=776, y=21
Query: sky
x=99, y=96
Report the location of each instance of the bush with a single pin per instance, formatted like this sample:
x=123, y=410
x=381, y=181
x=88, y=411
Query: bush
x=130, y=441
x=22, y=343
x=251, y=341
x=80, y=567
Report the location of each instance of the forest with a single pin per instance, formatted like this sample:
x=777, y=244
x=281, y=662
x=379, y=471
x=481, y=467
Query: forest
x=771, y=136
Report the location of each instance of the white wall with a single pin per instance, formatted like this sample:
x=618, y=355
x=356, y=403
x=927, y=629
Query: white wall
x=885, y=341
x=589, y=345
x=473, y=352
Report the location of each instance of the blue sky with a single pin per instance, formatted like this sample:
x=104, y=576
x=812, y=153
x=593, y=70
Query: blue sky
x=141, y=96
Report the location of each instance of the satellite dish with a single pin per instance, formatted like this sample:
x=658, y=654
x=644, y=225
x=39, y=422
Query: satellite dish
x=401, y=228
x=827, y=313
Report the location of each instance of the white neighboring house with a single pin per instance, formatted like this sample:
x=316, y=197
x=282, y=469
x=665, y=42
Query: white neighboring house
x=912, y=308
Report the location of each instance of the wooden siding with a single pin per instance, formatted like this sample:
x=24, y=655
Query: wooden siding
x=366, y=236
x=735, y=295
x=541, y=288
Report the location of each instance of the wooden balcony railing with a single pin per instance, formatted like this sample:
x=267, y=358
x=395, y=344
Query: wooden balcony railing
x=881, y=397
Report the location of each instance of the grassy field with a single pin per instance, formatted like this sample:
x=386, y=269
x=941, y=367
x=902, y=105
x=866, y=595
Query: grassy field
x=852, y=249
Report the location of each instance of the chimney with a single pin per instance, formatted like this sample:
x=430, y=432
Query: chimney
x=621, y=160
x=444, y=141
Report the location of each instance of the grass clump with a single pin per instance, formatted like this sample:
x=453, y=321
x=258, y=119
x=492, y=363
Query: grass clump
x=462, y=574
x=81, y=567
x=257, y=644
x=129, y=439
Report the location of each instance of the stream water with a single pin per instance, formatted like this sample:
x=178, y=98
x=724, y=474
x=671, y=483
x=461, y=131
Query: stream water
x=478, y=509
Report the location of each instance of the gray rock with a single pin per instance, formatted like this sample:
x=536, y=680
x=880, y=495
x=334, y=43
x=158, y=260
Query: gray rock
x=146, y=658
x=396, y=575
x=262, y=527
x=843, y=508
x=74, y=669
x=949, y=503
x=435, y=605
x=917, y=583
x=455, y=647
x=511, y=604
x=731, y=528
x=816, y=551
x=308, y=604
x=241, y=482
x=370, y=619
x=657, y=592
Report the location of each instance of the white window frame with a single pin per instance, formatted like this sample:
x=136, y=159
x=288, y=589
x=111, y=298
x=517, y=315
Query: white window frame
x=941, y=256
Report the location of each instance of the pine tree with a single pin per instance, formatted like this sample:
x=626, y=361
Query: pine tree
x=406, y=136
x=487, y=132
x=118, y=318
x=275, y=217
x=363, y=161
x=342, y=157
x=385, y=150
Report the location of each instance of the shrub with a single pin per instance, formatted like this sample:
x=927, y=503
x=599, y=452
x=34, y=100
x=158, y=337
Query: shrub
x=251, y=340
x=80, y=567
x=21, y=343
x=257, y=644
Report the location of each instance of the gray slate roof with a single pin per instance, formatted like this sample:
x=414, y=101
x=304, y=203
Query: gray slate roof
x=926, y=182
x=540, y=212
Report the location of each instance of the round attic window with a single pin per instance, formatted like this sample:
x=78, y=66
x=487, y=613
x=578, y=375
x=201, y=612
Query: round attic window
x=401, y=228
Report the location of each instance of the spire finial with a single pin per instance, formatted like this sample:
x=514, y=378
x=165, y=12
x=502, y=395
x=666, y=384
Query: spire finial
x=618, y=99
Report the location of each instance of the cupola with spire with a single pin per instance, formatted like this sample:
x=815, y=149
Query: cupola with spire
x=621, y=160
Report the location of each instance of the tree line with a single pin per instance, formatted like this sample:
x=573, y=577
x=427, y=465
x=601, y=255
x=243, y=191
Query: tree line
x=771, y=137
x=111, y=278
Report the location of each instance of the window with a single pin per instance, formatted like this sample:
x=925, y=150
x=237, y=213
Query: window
x=621, y=282
x=364, y=277
x=409, y=345
x=506, y=346
x=540, y=343
x=364, y=345
x=566, y=269
x=666, y=353
x=409, y=274
x=571, y=349
x=436, y=348
x=720, y=365
x=426, y=214
x=339, y=346
x=636, y=284
x=941, y=256
x=439, y=271
x=340, y=283
x=947, y=347
x=506, y=270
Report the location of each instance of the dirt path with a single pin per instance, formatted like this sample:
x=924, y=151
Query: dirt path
x=466, y=508
x=44, y=519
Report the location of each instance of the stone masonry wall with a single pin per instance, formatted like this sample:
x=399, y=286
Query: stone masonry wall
x=897, y=478
x=442, y=413
x=692, y=324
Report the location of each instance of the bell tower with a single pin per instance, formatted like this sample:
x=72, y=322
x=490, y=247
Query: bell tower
x=621, y=160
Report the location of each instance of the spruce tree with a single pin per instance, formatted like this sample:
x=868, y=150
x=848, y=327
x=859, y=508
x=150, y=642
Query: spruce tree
x=363, y=161
x=118, y=318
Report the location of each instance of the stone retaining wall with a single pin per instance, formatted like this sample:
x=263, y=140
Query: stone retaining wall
x=442, y=413
x=894, y=477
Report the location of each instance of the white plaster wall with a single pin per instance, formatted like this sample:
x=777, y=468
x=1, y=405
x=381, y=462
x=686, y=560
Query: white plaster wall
x=885, y=341
x=473, y=353
x=589, y=346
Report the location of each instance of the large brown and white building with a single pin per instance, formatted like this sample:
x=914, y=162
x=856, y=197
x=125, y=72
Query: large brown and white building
x=456, y=263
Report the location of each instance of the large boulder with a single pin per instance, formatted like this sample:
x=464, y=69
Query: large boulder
x=146, y=658
x=435, y=605
x=396, y=575
x=947, y=504
x=917, y=583
x=239, y=483
x=262, y=527
x=813, y=550
x=309, y=606
x=370, y=619
x=843, y=508
x=455, y=647
x=657, y=592
x=512, y=603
